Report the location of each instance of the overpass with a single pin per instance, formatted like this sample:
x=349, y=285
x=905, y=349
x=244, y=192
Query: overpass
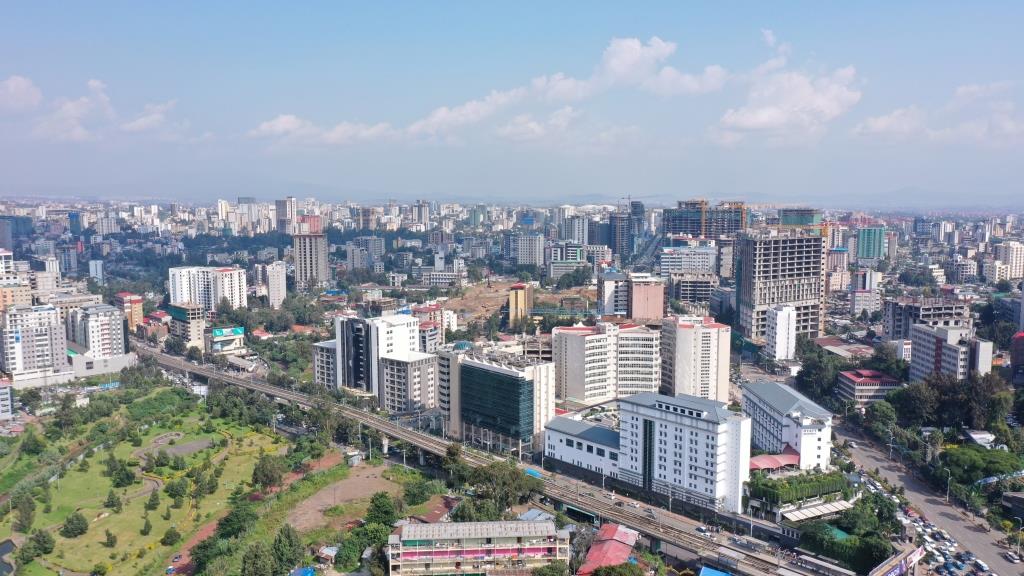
x=657, y=523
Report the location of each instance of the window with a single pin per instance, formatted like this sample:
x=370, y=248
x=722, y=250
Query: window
x=600, y=451
x=590, y=449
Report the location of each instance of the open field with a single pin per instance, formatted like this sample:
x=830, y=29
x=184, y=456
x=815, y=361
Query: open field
x=478, y=301
x=350, y=496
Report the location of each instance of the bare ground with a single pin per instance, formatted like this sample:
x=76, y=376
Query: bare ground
x=362, y=482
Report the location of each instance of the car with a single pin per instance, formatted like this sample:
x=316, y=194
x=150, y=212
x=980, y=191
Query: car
x=634, y=504
x=170, y=570
x=620, y=504
x=177, y=558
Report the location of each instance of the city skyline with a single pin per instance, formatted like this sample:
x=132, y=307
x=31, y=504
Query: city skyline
x=458, y=102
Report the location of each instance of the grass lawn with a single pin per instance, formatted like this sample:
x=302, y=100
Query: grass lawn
x=135, y=553
x=34, y=569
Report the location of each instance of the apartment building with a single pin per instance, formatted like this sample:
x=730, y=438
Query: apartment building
x=310, y=254
x=780, y=267
x=780, y=333
x=99, y=328
x=904, y=312
x=1011, y=253
x=360, y=343
x=33, y=346
x=408, y=382
x=207, y=287
x=594, y=364
x=695, y=357
x=951, y=350
x=689, y=255
x=636, y=296
x=131, y=306
x=781, y=417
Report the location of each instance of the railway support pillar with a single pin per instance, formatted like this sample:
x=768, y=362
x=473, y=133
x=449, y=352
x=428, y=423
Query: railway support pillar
x=423, y=457
x=384, y=446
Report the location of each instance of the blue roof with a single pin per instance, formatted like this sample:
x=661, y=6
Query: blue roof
x=307, y=571
x=705, y=571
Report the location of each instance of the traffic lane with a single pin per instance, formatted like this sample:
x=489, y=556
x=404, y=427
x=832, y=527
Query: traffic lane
x=971, y=535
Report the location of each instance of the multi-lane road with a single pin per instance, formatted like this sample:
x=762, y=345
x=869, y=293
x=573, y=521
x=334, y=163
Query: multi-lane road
x=968, y=531
x=669, y=527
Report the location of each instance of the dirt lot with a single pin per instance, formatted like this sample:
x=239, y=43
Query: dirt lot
x=361, y=483
x=479, y=301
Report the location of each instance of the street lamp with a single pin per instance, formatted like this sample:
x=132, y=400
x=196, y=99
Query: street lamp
x=1020, y=527
x=948, y=479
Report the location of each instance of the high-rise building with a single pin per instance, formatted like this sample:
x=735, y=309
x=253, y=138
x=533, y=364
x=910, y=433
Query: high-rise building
x=782, y=418
x=360, y=343
x=951, y=350
x=131, y=306
x=207, y=287
x=1011, y=253
x=408, y=382
x=188, y=323
x=780, y=333
x=692, y=287
x=99, y=328
x=277, y=283
x=96, y=271
x=799, y=217
x=903, y=312
x=697, y=218
x=637, y=295
x=594, y=364
x=33, y=346
x=870, y=244
x=621, y=235
x=310, y=253
x=530, y=250
x=707, y=463
x=575, y=230
x=285, y=212
x=695, y=354
x=689, y=255
x=864, y=293
x=505, y=401
x=520, y=301
x=374, y=246
x=780, y=267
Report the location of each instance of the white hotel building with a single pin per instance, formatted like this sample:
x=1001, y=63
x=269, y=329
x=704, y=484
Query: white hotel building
x=695, y=357
x=695, y=450
x=594, y=364
x=783, y=417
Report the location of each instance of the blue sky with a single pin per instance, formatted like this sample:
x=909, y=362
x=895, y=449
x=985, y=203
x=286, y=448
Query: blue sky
x=913, y=104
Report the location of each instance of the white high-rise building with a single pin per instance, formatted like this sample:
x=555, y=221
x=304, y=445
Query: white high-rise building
x=694, y=449
x=785, y=421
x=96, y=271
x=695, y=256
x=408, y=382
x=695, y=357
x=360, y=343
x=594, y=364
x=1011, y=253
x=206, y=287
x=530, y=250
x=277, y=283
x=949, y=350
x=310, y=253
x=99, y=328
x=780, y=333
x=33, y=346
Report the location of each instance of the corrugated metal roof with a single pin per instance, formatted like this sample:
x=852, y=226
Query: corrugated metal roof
x=585, y=431
x=457, y=530
x=785, y=399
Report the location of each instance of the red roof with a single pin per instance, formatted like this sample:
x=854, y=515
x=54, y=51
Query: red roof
x=789, y=457
x=519, y=286
x=427, y=324
x=612, y=546
x=866, y=376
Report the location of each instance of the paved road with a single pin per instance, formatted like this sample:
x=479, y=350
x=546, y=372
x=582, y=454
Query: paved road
x=969, y=533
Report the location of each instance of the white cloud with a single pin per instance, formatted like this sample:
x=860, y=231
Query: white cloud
x=444, y=118
x=525, y=128
x=769, y=37
x=967, y=94
x=630, y=61
x=669, y=81
x=153, y=116
x=563, y=88
x=291, y=127
x=899, y=123
x=796, y=104
x=76, y=120
x=18, y=94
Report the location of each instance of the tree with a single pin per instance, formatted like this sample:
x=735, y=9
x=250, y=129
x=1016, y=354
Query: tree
x=32, y=444
x=915, y=404
x=287, y=549
x=147, y=527
x=110, y=540
x=26, y=553
x=74, y=526
x=556, y=568
x=99, y=569
x=43, y=541
x=624, y=569
x=25, y=508
x=269, y=471
x=1004, y=285
x=113, y=501
x=880, y=417
x=174, y=346
x=194, y=354
x=258, y=561
x=170, y=537
x=458, y=471
x=382, y=510
x=153, y=502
